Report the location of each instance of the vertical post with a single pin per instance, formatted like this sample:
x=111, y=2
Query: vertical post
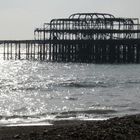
x=38, y=50
x=34, y=50
x=26, y=51
x=11, y=50
x=124, y=53
x=4, y=50
x=19, y=51
x=50, y=50
x=44, y=53
x=44, y=38
x=15, y=50
x=138, y=53
x=31, y=50
x=53, y=52
x=8, y=51
x=72, y=52
x=93, y=52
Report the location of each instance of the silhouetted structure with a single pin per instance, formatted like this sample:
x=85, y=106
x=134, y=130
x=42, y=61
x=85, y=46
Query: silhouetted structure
x=83, y=37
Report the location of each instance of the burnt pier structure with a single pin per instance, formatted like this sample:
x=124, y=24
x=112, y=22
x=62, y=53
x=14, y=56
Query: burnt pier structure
x=83, y=37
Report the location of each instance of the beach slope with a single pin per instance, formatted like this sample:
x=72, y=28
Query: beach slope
x=124, y=128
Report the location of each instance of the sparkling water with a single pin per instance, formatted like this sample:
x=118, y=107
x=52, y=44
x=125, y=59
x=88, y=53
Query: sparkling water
x=35, y=92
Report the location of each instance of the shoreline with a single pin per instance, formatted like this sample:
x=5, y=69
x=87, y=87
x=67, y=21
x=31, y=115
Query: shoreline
x=123, y=128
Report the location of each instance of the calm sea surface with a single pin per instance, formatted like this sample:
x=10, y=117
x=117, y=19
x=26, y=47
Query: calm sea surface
x=34, y=92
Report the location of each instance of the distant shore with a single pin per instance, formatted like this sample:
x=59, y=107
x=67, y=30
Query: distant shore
x=124, y=128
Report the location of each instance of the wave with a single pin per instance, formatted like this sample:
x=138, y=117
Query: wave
x=16, y=120
x=98, y=84
x=71, y=83
x=133, y=81
x=53, y=115
x=67, y=84
x=71, y=98
x=90, y=112
x=86, y=84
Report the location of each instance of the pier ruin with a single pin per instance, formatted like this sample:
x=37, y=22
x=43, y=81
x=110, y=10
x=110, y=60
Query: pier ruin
x=82, y=38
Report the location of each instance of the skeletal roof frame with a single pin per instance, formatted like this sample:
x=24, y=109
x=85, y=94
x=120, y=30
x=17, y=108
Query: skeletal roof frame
x=85, y=21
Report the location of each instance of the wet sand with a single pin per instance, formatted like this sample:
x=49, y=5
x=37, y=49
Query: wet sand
x=124, y=128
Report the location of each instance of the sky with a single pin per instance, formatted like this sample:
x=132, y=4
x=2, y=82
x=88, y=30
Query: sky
x=19, y=18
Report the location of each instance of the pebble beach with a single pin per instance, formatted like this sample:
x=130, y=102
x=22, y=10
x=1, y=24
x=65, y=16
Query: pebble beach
x=123, y=128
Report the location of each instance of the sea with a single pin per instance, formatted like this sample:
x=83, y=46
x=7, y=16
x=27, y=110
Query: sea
x=39, y=92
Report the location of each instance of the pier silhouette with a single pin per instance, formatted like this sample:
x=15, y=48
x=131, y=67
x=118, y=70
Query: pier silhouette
x=82, y=37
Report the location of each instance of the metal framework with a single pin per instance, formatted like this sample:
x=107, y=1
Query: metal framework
x=89, y=26
x=82, y=37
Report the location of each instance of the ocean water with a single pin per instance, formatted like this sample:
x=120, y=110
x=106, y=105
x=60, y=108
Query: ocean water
x=35, y=92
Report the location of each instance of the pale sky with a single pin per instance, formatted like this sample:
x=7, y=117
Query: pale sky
x=19, y=18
